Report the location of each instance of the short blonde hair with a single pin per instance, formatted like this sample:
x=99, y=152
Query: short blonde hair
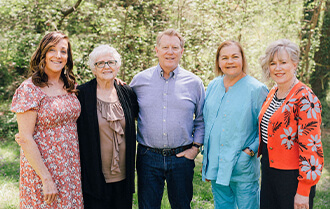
x=217, y=69
x=170, y=32
x=282, y=44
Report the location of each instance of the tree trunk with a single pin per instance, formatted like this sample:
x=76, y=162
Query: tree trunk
x=312, y=10
x=320, y=77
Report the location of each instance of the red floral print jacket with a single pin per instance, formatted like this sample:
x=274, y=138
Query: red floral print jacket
x=294, y=136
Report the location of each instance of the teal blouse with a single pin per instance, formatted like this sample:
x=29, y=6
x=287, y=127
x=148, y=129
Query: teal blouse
x=231, y=125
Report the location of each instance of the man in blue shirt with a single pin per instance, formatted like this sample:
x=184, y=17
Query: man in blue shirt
x=170, y=126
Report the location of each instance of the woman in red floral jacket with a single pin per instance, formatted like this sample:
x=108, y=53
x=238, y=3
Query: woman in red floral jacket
x=290, y=134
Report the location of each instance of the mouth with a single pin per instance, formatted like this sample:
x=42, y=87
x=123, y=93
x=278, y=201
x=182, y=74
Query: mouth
x=279, y=74
x=170, y=58
x=107, y=72
x=231, y=67
x=56, y=62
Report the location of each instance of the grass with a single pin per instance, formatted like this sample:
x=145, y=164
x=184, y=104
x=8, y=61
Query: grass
x=202, y=199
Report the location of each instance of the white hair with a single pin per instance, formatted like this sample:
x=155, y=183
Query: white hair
x=103, y=50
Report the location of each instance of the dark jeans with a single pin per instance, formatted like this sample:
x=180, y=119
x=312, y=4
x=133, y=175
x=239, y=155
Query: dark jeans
x=278, y=187
x=153, y=169
x=115, y=198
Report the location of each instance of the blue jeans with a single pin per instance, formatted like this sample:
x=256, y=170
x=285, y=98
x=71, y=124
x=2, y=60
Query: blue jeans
x=153, y=169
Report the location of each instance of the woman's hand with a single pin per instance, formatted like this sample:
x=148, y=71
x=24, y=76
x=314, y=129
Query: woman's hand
x=18, y=139
x=301, y=202
x=50, y=190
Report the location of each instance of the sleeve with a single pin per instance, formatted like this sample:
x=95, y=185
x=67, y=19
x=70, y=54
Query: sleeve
x=260, y=98
x=133, y=100
x=199, y=128
x=311, y=159
x=27, y=97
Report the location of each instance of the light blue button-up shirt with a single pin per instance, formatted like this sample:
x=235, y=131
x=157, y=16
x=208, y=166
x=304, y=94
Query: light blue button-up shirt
x=231, y=125
x=170, y=110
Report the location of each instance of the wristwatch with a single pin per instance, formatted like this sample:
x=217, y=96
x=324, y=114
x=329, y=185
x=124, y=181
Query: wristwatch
x=196, y=145
x=251, y=151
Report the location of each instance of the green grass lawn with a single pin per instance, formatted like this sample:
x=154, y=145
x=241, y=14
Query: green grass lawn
x=9, y=172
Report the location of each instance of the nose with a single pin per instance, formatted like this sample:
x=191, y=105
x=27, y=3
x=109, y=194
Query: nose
x=170, y=50
x=277, y=67
x=58, y=54
x=107, y=65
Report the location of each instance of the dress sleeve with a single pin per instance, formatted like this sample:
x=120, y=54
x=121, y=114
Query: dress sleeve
x=311, y=160
x=27, y=97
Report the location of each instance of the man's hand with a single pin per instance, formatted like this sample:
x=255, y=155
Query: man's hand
x=189, y=153
x=301, y=202
x=119, y=81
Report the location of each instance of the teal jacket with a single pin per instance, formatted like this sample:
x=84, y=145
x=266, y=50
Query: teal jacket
x=231, y=125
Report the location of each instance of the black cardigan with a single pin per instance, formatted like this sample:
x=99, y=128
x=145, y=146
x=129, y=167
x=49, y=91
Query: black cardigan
x=89, y=138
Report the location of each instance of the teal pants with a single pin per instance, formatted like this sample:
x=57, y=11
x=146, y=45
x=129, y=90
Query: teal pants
x=241, y=195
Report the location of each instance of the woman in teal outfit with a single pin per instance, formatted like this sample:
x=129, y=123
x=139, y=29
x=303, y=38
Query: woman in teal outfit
x=232, y=104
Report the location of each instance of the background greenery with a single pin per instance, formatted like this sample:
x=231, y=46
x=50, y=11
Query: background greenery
x=131, y=26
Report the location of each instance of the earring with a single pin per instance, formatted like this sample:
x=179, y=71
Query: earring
x=65, y=70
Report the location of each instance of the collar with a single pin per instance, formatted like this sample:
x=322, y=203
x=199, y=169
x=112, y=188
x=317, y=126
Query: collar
x=173, y=74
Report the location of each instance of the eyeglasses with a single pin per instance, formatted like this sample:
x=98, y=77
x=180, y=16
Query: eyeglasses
x=110, y=63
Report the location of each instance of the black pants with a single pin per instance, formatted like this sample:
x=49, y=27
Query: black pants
x=115, y=197
x=278, y=187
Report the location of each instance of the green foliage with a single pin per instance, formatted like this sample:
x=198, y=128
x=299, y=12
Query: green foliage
x=132, y=26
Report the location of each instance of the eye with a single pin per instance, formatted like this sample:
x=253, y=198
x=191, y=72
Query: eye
x=112, y=62
x=223, y=58
x=51, y=49
x=284, y=62
x=63, y=51
x=272, y=63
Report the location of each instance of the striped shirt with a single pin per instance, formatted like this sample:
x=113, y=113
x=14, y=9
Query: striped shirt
x=273, y=106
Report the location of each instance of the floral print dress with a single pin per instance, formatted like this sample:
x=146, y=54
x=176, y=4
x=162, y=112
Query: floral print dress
x=55, y=134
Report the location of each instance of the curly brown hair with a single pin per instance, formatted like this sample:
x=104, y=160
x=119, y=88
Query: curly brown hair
x=38, y=62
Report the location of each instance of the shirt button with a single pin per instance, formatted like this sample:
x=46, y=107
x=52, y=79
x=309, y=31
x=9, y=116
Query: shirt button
x=270, y=135
x=166, y=82
x=223, y=129
x=164, y=120
x=164, y=94
x=271, y=148
x=164, y=134
x=225, y=115
x=271, y=161
x=164, y=107
x=222, y=145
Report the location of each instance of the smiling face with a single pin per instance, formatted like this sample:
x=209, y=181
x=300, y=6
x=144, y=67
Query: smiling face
x=169, y=52
x=282, y=68
x=56, y=57
x=231, y=61
x=106, y=73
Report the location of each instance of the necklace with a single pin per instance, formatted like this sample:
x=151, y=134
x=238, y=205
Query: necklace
x=288, y=91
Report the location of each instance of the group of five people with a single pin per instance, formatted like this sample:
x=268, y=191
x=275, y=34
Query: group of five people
x=78, y=143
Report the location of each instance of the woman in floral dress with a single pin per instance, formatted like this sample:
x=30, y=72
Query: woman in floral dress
x=290, y=134
x=47, y=109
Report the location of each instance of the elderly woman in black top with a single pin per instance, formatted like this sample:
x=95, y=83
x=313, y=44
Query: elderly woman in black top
x=106, y=131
